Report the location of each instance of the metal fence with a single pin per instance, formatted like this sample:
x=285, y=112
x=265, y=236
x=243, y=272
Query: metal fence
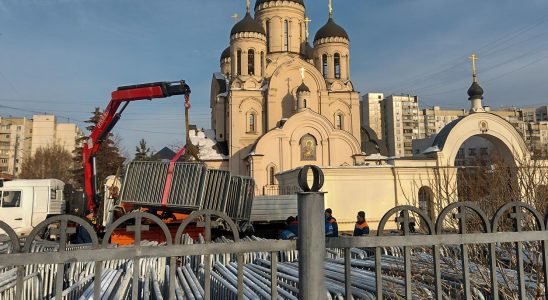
x=378, y=275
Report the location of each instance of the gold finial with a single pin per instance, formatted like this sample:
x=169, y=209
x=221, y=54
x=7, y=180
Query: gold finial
x=235, y=17
x=306, y=21
x=330, y=9
x=302, y=73
x=247, y=5
x=473, y=58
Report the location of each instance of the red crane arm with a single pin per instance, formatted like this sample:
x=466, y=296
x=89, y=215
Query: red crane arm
x=123, y=95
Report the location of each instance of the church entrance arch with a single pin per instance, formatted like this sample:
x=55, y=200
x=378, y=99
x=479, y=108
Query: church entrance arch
x=504, y=138
x=478, y=150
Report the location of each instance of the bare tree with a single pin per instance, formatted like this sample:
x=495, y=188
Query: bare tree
x=48, y=162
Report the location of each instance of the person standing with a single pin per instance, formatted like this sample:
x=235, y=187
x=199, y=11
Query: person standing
x=361, y=227
x=331, y=226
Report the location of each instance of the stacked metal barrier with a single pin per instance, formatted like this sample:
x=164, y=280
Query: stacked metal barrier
x=193, y=187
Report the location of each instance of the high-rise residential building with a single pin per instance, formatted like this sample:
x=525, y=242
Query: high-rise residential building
x=541, y=113
x=46, y=131
x=15, y=144
x=434, y=119
x=21, y=137
x=371, y=112
x=400, y=118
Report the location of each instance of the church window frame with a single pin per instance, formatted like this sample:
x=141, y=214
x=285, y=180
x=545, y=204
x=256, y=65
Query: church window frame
x=239, y=62
x=286, y=35
x=337, y=65
x=267, y=32
x=252, y=122
x=339, y=121
x=262, y=63
x=271, y=174
x=251, y=62
x=324, y=65
x=308, y=145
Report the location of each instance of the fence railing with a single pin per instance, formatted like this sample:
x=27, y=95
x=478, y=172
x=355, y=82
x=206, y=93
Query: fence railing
x=463, y=254
x=515, y=223
x=277, y=190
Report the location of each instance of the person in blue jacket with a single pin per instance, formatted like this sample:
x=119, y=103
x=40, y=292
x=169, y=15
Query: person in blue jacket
x=331, y=226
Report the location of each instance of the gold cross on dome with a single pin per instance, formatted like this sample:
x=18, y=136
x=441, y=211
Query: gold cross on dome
x=330, y=8
x=302, y=73
x=306, y=21
x=247, y=5
x=473, y=58
x=235, y=17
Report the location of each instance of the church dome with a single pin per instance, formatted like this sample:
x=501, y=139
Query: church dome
x=226, y=53
x=331, y=29
x=303, y=88
x=475, y=91
x=247, y=24
x=259, y=2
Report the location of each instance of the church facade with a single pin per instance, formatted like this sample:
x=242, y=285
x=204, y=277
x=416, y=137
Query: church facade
x=278, y=103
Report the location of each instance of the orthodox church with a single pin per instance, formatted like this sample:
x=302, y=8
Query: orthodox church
x=279, y=103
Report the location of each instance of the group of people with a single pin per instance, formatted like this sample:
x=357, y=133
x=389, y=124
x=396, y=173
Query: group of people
x=291, y=230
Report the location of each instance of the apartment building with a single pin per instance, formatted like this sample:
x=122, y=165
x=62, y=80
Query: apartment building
x=401, y=124
x=46, y=131
x=435, y=118
x=21, y=137
x=371, y=112
x=15, y=144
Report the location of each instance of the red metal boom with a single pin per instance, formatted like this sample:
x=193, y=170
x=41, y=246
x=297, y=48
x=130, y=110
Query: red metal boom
x=109, y=118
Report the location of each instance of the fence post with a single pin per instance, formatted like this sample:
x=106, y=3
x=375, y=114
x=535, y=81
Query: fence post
x=311, y=242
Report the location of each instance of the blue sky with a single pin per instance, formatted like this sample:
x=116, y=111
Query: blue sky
x=66, y=56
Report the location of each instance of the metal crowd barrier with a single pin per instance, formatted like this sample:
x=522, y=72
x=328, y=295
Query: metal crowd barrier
x=193, y=187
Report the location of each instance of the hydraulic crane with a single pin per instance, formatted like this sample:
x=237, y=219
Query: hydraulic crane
x=118, y=103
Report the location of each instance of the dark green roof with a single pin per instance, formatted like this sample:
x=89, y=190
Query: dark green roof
x=247, y=24
x=303, y=88
x=226, y=53
x=331, y=29
x=475, y=91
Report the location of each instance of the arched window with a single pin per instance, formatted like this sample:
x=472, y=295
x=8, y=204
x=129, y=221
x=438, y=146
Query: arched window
x=271, y=177
x=339, y=121
x=262, y=63
x=286, y=35
x=267, y=32
x=324, y=65
x=304, y=103
x=251, y=62
x=251, y=123
x=337, y=65
x=239, y=62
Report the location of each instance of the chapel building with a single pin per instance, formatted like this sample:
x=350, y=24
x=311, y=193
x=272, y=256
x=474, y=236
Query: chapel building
x=279, y=103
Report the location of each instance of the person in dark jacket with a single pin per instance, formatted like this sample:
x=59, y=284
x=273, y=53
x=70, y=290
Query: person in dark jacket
x=293, y=225
x=331, y=226
x=361, y=227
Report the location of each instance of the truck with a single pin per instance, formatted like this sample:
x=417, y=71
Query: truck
x=24, y=203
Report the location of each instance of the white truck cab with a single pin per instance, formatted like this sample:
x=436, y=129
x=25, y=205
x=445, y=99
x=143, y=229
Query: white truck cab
x=25, y=203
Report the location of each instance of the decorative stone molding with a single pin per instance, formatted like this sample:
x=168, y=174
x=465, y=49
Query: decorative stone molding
x=332, y=40
x=279, y=3
x=253, y=35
